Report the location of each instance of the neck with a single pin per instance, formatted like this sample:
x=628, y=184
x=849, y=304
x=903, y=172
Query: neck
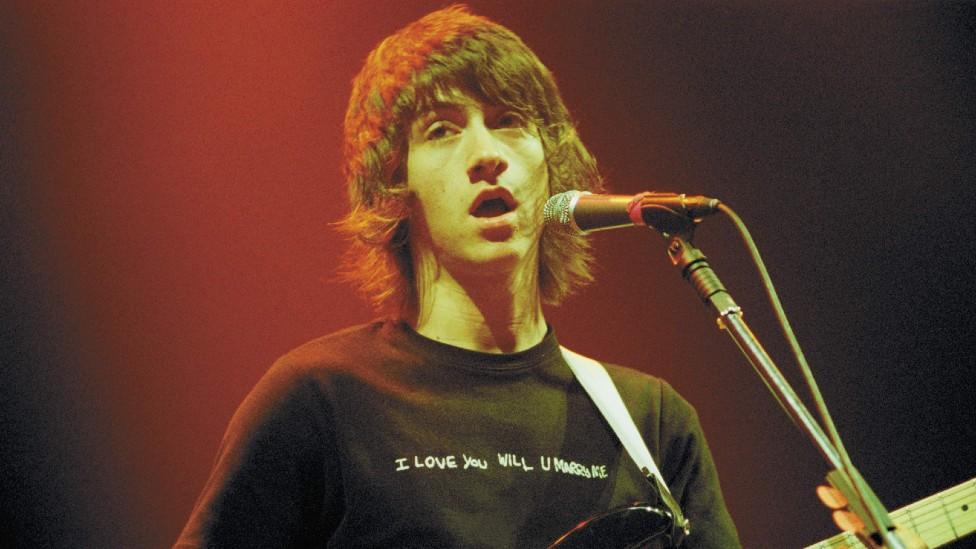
x=487, y=313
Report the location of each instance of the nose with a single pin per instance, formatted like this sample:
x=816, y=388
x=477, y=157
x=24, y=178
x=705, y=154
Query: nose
x=486, y=167
x=486, y=162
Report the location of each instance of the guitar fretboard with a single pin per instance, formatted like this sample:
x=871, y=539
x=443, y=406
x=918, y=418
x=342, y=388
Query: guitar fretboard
x=939, y=519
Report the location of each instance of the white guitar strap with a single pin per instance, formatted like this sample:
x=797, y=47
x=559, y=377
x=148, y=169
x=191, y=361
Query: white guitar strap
x=602, y=391
x=597, y=383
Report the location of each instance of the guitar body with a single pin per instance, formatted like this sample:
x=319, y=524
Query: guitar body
x=637, y=526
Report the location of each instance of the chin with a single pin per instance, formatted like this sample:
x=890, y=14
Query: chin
x=500, y=258
x=489, y=258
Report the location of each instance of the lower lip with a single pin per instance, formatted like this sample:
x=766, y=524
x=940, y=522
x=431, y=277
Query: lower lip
x=497, y=226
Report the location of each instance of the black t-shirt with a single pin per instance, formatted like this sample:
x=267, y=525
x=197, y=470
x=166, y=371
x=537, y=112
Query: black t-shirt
x=379, y=437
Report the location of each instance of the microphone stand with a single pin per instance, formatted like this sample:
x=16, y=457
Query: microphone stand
x=844, y=477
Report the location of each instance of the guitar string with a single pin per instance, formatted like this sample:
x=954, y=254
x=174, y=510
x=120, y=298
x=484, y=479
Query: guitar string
x=928, y=519
x=950, y=493
x=935, y=530
x=938, y=531
x=942, y=513
x=938, y=522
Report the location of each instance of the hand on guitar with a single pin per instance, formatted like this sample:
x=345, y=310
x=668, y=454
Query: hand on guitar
x=850, y=522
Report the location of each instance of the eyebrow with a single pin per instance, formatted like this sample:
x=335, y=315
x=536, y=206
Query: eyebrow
x=433, y=109
x=444, y=105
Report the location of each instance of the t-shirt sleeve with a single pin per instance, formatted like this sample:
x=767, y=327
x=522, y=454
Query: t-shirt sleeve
x=692, y=477
x=275, y=480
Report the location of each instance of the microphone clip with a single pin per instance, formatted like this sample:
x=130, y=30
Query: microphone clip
x=671, y=213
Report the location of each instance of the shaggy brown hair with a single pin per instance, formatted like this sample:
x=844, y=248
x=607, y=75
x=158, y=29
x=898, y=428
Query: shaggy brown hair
x=447, y=51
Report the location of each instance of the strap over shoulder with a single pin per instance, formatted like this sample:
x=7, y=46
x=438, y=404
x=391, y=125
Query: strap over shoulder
x=601, y=389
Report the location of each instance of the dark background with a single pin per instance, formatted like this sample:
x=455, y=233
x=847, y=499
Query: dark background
x=169, y=174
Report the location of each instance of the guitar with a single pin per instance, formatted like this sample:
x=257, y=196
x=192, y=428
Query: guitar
x=634, y=526
x=939, y=519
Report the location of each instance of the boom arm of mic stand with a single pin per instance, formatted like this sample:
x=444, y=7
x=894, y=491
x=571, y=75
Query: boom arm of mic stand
x=696, y=270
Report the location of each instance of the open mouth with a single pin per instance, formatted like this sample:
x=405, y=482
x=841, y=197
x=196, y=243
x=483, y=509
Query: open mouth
x=493, y=203
x=491, y=208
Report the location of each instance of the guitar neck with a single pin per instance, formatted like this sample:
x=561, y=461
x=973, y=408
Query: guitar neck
x=939, y=519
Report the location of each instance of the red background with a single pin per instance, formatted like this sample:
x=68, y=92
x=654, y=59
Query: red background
x=169, y=174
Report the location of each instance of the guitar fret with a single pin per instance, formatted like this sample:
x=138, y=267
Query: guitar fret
x=939, y=535
x=911, y=520
x=948, y=518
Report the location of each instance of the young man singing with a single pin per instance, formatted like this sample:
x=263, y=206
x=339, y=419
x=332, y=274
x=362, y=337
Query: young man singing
x=455, y=421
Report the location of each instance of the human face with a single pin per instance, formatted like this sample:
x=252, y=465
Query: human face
x=479, y=178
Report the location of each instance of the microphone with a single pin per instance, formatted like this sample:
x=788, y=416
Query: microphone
x=668, y=213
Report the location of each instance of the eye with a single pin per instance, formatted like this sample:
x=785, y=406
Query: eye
x=439, y=130
x=510, y=119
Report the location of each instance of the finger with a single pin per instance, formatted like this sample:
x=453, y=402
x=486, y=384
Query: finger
x=831, y=497
x=847, y=521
